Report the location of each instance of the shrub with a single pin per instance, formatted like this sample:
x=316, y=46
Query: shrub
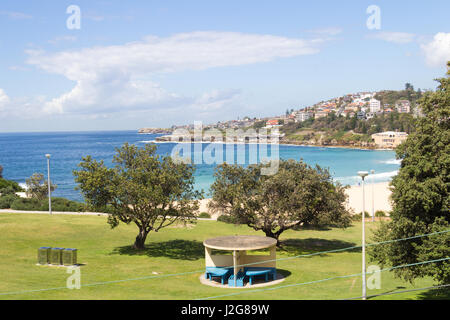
x=62, y=204
x=25, y=204
x=7, y=191
x=10, y=184
x=357, y=216
x=227, y=219
x=7, y=200
x=58, y=204
x=380, y=213
x=204, y=215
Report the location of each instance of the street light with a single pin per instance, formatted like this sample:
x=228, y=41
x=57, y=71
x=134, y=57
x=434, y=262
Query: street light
x=363, y=174
x=49, y=185
x=373, y=196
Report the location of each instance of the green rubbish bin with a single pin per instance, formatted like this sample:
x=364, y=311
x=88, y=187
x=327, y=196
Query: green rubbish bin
x=56, y=256
x=44, y=255
x=69, y=257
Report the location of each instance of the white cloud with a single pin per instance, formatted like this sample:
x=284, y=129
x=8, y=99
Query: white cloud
x=62, y=39
x=4, y=99
x=118, y=78
x=16, y=15
x=437, y=52
x=20, y=107
x=330, y=31
x=395, y=37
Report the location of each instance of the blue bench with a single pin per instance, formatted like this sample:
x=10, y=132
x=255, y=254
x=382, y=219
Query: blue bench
x=258, y=271
x=239, y=282
x=217, y=272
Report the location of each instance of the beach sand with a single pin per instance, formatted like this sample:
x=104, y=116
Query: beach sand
x=381, y=197
x=381, y=194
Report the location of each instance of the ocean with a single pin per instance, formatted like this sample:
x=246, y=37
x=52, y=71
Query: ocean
x=22, y=154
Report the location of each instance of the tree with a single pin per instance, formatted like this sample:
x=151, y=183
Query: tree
x=297, y=195
x=149, y=190
x=37, y=186
x=420, y=194
x=1, y=171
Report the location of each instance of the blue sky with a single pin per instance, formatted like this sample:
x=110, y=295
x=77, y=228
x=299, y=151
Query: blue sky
x=155, y=63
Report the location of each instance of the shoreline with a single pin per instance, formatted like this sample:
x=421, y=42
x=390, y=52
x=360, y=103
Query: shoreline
x=281, y=144
x=381, y=199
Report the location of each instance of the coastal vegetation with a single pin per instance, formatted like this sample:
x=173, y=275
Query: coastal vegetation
x=420, y=194
x=37, y=187
x=390, y=97
x=345, y=130
x=151, y=191
x=296, y=195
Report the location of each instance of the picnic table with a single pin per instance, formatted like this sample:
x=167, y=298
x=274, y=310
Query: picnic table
x=241, y=263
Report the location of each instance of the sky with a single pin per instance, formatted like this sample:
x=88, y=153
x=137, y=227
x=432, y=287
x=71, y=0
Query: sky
x=124, y=65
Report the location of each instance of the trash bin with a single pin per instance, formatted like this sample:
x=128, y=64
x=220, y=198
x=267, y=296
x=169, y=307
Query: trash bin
x=69, y=256
x=56, y=256
x=44, y=255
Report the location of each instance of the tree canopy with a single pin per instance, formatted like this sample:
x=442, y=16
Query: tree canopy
x=37, y=186
x=420, y=194
x=297, y=195
x=143, y=188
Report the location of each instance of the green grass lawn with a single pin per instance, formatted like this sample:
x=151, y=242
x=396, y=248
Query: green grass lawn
x=106, y=255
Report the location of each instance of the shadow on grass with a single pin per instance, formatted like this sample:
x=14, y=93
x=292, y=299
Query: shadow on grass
x=387, y=293
x=284, y=273
x=173, y=249
x=311, y=227
x=297, y=247
x=435, y=294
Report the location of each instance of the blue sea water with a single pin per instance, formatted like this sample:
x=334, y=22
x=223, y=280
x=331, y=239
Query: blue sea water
x=22, y=154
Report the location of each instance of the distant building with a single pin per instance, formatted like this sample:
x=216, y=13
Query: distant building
x=320, y=114
x=375, y=105
x=389, y=139
x=370, y=115
x=303, y=116
x=272, y=123
x=403, y=106
x=361, y=115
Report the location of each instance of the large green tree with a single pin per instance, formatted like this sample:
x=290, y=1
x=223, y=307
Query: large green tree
x=143, y=188
x=296, y=195
x=420, y=194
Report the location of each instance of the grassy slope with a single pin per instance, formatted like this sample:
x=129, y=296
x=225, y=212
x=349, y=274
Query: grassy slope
x=107, y=256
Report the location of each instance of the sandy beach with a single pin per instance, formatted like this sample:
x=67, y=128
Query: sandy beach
x=381, y=201
x=381, y=194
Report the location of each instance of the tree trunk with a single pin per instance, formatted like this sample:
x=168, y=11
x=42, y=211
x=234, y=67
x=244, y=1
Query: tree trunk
x=271, y=234
x=139, y=244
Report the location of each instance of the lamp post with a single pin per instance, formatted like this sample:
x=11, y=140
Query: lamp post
x=363, y=174
x=49, y=185
x=373, y=197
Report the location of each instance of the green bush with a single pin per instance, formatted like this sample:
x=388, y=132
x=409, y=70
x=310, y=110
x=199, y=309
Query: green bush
x=227, y=219
x=10, y=184
x=357, y=216
x=7, y=191
x=204, y=215
x=25, y=204
x=58, y=204
x=7, y=200
x=380, y=213
x=62, y=204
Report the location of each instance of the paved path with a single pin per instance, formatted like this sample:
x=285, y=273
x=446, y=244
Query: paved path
x=69, y=213
x=54, y=212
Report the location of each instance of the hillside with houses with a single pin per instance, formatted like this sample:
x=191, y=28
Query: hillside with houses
x=380, y=119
